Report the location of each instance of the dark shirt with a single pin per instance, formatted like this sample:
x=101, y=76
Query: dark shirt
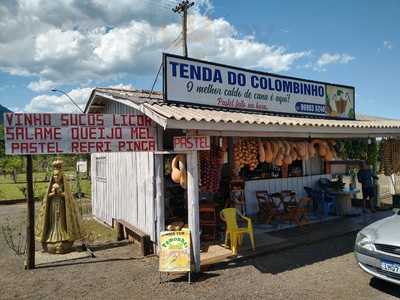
x=365, y=177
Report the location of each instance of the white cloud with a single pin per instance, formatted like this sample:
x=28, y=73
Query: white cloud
x=60, y=103
x=122, y=86
x=57, y=44
x=66, y=41
x=225, y=45
x=41, y=85
x=334, y=58
x=388, y=45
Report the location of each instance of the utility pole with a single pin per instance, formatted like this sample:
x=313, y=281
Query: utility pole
x=183, y=8
x=30, y=226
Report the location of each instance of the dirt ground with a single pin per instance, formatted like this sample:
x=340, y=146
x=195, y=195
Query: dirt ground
x=326, y=270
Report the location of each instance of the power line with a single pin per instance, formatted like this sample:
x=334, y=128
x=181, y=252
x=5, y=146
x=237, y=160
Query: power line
x=160, y=4
x=155, y=80
x=175, y=42
x=171, y=2
x=182, y=7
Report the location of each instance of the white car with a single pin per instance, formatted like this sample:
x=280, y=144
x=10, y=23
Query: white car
x=377, y=248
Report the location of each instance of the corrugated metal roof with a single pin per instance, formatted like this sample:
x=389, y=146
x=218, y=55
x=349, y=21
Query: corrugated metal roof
x=154, y=102
x=211, y=115
x=138, y=96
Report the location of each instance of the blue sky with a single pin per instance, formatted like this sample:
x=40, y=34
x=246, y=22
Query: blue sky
x=75, y=47
x=359, y=28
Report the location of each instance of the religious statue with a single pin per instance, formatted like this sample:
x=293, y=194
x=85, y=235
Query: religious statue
x=58, y=223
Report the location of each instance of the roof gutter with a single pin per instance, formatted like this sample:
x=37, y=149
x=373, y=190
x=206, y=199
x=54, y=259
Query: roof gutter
x=275, y=130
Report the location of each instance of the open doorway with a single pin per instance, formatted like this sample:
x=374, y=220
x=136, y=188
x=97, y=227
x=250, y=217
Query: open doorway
x=176, y=208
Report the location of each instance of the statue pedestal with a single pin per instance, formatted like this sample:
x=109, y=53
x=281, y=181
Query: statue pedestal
x=58, y=248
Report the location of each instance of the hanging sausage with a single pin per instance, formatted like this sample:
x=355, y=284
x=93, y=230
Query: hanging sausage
x=246, y=153
x=210, y=168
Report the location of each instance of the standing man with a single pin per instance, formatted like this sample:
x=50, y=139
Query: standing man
x=365, y=177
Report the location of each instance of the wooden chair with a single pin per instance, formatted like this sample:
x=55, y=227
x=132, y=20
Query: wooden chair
x=237, y=197
x=299, y=213
x=288, y=194
x=262, y=200
x=208, y=221
x=275, y=207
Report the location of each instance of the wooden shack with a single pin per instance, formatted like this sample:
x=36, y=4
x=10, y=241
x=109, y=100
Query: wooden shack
x=130, y=186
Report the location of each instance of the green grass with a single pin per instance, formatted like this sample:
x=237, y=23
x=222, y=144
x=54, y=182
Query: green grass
x=93, y=230
x=21, y=178
x=10, y=190
x=86, y=187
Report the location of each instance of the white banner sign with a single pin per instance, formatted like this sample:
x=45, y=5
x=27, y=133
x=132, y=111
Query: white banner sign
x=185, y=143
x=45, y=133
x=208, y=84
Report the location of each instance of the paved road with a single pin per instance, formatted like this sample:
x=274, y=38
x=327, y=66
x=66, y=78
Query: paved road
x=325, y=270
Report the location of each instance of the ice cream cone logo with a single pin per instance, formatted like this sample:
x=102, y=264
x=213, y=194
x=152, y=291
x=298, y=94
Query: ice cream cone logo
x=340, y=101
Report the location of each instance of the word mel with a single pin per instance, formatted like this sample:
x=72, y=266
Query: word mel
x=256, y=81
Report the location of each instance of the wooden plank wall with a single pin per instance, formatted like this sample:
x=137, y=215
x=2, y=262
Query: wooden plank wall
x=386, y=187
x=127, y=191
x=296, y=184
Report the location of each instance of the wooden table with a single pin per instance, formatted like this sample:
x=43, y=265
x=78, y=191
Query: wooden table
x=208, y=220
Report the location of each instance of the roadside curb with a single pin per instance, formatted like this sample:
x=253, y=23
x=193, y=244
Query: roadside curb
x=290, y=244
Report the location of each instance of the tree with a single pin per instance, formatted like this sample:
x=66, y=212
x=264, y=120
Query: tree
x=362, y=149
x=9, y=163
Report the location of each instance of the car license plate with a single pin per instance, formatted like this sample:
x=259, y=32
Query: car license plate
x=390, y=267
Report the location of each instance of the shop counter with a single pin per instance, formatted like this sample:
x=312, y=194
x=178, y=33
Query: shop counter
x=276, y=185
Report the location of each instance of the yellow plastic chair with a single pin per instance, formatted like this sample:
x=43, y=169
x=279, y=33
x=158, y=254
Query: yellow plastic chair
x=234, y=233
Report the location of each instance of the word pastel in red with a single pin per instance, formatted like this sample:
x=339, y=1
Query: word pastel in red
x=38, y=147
